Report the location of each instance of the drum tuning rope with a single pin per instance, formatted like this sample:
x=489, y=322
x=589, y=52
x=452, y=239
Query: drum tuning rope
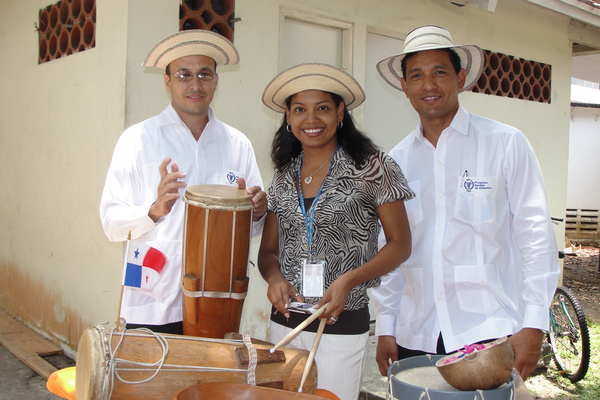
x=426, y=392
x=389, y=391
x=113, y=371
x=252, y=359
x=111, y=362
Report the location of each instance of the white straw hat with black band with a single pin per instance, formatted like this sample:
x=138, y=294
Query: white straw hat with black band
x=193, y=42
x=432, y=38
x=312, y=76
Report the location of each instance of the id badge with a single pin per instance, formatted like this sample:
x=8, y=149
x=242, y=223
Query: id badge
x=313, y=278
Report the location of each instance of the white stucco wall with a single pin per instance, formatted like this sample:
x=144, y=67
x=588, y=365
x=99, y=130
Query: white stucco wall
x=59, y=122
x=583, y=190
x=56, y=118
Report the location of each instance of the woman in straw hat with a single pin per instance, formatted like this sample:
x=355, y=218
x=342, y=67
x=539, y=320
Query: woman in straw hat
x=319, y=244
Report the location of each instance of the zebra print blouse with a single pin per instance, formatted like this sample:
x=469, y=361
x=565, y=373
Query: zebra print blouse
x=346, y=224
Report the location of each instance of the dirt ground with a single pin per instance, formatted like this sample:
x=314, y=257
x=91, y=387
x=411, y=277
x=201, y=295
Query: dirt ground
x=582, y=277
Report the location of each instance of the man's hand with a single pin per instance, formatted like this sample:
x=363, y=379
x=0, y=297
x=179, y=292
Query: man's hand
x=168, y=190
x=259, y=200
x=387, y=353
x=527, y=346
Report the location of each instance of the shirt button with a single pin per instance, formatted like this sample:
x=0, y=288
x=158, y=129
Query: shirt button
x=482, y=282
x=439, y=162
x=440, y=196
x=439, y=231
x=437, y=264
x=439, y=298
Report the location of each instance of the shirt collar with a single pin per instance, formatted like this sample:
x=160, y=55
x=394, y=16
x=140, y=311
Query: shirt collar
x=460, y=123
x=169, y=116
x=211, y=116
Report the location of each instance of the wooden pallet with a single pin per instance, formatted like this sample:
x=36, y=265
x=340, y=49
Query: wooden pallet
x=582, y=224
x=27, y=345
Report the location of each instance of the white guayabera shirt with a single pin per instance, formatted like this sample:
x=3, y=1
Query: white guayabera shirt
x=484, y=256
x=220, y=156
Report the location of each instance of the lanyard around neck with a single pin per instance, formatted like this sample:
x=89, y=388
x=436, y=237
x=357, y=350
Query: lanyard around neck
x=308, y=219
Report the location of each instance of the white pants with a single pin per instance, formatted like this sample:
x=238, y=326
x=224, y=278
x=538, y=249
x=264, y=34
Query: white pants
x=340, y=359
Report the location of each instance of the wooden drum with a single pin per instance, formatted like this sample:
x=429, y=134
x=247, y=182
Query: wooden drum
x=216, y=247
x=235, y=391
x=139, y=365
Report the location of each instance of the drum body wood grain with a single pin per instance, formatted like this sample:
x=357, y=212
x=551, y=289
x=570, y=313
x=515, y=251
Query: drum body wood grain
x=216, y=247
x=235, y=391
x=187, y=363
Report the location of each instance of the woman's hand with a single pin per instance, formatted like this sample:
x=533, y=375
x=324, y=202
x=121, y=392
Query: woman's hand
x=279, y=294
x=336, y=295
x=280, y=290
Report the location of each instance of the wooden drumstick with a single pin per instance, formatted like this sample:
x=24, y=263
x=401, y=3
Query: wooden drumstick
x=192, y=283
x=311, y=355
x=290, y=336
x=118, y=323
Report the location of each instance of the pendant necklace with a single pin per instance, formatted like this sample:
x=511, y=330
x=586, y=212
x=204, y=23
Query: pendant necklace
x=308, y=178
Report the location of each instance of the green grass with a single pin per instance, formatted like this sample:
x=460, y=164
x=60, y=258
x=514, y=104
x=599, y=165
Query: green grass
x=553, y=386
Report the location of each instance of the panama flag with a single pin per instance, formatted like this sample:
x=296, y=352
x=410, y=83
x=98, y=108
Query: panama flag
x=143, y=265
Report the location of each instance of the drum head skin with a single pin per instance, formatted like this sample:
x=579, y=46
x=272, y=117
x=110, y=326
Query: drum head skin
x=220, y=197
x=91, y=368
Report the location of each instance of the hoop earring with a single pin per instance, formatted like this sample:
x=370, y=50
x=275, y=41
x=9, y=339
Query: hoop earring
x=340, y=124
x=288, y=128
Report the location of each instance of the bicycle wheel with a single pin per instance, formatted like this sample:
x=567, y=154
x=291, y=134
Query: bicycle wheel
x=569, y=335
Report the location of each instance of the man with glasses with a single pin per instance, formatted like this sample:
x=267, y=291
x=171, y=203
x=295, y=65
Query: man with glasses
x=155, y=160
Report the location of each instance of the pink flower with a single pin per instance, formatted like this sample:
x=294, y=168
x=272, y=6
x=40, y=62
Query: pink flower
x=450, y=359
x=473, y=347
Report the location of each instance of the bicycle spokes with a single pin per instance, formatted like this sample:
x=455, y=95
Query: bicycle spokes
x=569, y=335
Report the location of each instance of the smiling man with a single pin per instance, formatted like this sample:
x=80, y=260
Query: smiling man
x=155, y=160
x=484, y=256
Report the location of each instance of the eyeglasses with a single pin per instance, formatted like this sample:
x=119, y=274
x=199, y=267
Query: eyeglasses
x=186, y=76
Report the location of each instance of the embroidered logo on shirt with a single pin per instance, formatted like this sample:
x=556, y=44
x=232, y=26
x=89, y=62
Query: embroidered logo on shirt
x=470, y=185
x=231, y=177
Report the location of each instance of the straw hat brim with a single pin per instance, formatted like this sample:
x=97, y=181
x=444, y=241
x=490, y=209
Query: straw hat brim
x=194, y=42
x=312, y=76
x=471, y=59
